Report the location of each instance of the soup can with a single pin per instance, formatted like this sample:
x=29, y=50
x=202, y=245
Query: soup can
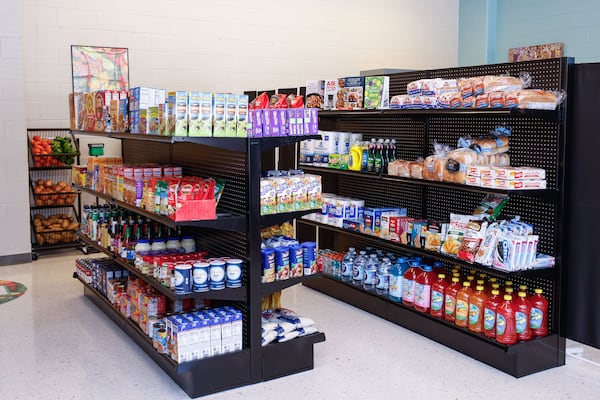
x=183, y=278
x=233, y=273
x=161, y=338
x=200, y=274
x=216, y=274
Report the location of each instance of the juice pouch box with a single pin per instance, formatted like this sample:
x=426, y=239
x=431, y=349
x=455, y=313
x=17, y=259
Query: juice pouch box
x=377, y=92
x=349, y=94
x=230, y=115
x=195, y=127
x=206, y=114
x=219, y=115
x=181, y=114
x=242, y=116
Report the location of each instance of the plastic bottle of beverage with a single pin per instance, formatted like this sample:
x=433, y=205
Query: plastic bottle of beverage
x=505, y=322
x=476, y=309
x=392, y=151
x=462, y=304
x=379, y=156
x=491, y=282
x=382, y=280
x=489, y=314
x=384, y=155
x=392, y=257
x=508, y=285
x=450, y=299
x=358, y=268
x=337, y=266
x=438, y=292
x=396, y=277
x=522, y=315
x=347, y=264
x=423, y=282
x=371, y=156
x=523, y=288
x=408, y=284
x=370, y=273
x=539, y=314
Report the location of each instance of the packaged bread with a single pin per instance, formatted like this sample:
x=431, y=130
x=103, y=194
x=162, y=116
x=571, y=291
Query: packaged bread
x=504, y=83
x=539, y=99
x=477, y=83
x=498, y=160
x=496, y=99
x=433, y=166
x=416, y=169
x=482, y=100
x=402, y=101
x=458, y=162
x=490, y=145
x=465, y=87
x=450, y=100
x=399, y=168
x=414, y=88
x=443, y=86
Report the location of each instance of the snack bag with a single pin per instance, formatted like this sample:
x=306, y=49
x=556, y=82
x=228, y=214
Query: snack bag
x=485, y=253
x=491, y=206
x=474, y=235
x=260, y=102
x=435, y=235
x=456, y=231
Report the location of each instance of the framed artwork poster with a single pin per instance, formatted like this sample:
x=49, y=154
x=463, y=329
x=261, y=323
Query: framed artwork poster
x=99, y=68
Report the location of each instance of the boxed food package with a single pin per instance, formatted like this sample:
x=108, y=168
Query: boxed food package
x=383, y=218
x=242, y=116
x=195, y=122
x=206, y=114
x=231, y=104
x=153, y=120
x=219, y=105
x=180, y=113
x=329, y=97
x=315, y=191
x=377, y=92
x=315, y=91
x=520, y=173
x=349, y=94
x=508, y=184
x=171, y=114
x=268, y=197
x=143, y=121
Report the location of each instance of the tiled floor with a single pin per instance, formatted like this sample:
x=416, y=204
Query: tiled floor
x=55, y=344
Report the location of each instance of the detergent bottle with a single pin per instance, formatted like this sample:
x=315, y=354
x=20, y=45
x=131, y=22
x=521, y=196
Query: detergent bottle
x=355, y=160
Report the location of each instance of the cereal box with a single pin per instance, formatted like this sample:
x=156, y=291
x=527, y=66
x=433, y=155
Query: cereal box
x=153, y=120
x=242, y=116
x=331, y=87
x=230, y=114
x=219, y=115
x=267, y=122
x=162, y=119
x=377, y=92
x=194, y=114
x=143, y=123
x=349, y=94
x=268, y=197
x=206, y=114
x=315, y=90
x=181, y=113
x=170, y=113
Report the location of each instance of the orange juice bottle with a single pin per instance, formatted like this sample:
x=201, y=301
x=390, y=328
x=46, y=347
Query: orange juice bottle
x=450, y=299
x=489, y=314
x=462, y=304
x=476, y=309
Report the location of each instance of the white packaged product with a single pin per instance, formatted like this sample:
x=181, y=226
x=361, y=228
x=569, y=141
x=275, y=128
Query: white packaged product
x=307, y=330
x=268, y=338
x=330, y=141
x=485, y=254
x=287, y=336
x=307, y=151
x=344, y=141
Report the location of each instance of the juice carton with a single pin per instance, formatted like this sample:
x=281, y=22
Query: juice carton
x=377, y=92
x=206, y=114
x=194, y=114
x=230, y=115
x=242, y=116
x=180, y=113
x=219, y=115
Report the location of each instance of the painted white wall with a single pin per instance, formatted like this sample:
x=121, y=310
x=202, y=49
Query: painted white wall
x=14, y=196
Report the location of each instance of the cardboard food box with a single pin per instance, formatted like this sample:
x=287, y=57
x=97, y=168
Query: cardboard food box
x=206, y=114
x=350, y=92
x=231, y=115
x=181, y=113
x=219, y=115
x=242, y=116
x=153, y=120
x=315, y=91
x=331, y=87
x=377, y=92
x=194, y=127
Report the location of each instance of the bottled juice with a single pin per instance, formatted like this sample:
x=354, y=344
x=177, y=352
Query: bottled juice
x=539, y=314
x=491, y=282
x=523, y=288
x=438, y=293
x=522, y=315
x=489, y=314
x=505, y=322
x=396, y=277
x=462, y=304
x=476, y=309
x=408, y=284
x=450, y=299
x=481, y=282
x=507, y=285
x=423, y=282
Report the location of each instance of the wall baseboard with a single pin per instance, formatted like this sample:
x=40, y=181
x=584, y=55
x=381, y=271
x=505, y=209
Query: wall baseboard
x=15, y=259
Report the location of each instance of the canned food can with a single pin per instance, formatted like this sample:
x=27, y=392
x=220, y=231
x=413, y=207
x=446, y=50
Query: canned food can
x=233, y=273
x=161, y=338
x=309, y=257
x=200, y=274
x=282, y=263
x=216, y=275
x=268, y=265
x=155, y=328
x=296, y=261
x=183, y=278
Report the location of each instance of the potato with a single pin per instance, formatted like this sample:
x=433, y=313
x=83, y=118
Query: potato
x=73, y=226
x=64, y=224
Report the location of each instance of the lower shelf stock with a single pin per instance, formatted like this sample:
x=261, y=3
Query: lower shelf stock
x=517, y=360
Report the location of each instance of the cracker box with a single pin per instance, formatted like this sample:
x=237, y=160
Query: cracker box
x=377, y=92
x=291, y=120
x=299, y=121
x=194, y=121
x=368, y=221
x=181, y=113
x=153, y=120
x=349, y=94
x=331, y=87
x=284, y=129
x=383, y=219
x=257, y=123
x=519, y=173
x=315, y=90
x=231, y=115
x=162, y=119
x=242, y=116
x=219, y=115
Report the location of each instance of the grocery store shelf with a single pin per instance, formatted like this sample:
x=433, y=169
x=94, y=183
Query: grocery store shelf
x=49, y=168
x=539, y=272
x=236, y=294
x=296, y=355
x=267, y=143
x=272, y=287
x=225, y=220
x=518, y=360
x=549, y=115
x=225, y=371
x=37, y=247
x=277, y=219
x=544, y=194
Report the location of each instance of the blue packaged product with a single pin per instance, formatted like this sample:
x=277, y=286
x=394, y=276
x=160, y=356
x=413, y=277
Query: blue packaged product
x=309, y=258
x=216, y=273
x=282, y=263
x=183, y=279
x=268, y=265
x=200, y=276
x=233, y=273
x=296, y=261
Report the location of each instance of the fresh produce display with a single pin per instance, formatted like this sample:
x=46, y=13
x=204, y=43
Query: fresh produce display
x=48, y=193
x=54, y=228
x=56, y=152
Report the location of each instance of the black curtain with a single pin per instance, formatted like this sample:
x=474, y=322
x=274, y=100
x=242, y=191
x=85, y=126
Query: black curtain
x=580, y=315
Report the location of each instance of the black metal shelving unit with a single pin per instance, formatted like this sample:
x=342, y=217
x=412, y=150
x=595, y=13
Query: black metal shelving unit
x=538, y=139
x=55, y=173
x=235, y=233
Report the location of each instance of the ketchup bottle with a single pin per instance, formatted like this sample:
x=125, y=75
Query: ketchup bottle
x=438, y=292
x=505, y=322
x=539, y=314
x=489, y=314
x=522, y=315
x=423, y=282
x=476, y=304
x=462, y=305
x=408, y=284
x=450, y=300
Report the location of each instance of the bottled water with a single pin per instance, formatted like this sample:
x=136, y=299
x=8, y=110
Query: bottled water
x=370, y=273
x=347, y=264
x=358, y=268
x=396, y=273
x=382, y=283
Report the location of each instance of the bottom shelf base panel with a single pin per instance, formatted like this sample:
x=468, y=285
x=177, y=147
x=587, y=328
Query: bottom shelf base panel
x=517, y=360
x=296, y=355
